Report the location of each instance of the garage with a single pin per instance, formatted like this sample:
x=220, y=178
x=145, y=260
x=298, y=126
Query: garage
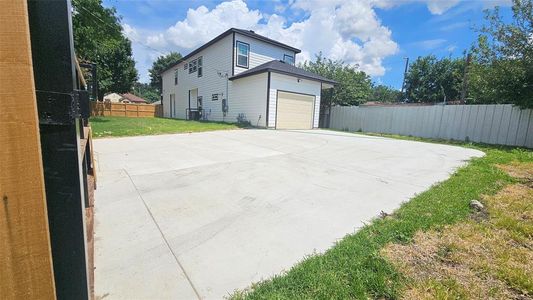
x=295, y=111
x=291, y=101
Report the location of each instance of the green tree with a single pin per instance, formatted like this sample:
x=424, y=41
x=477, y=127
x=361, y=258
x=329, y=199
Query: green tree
x=98, y=38
x=383, y=93
x=433, y=80
x=502, y=68
x=353, y=86
x=146, y=91
x=160, y=64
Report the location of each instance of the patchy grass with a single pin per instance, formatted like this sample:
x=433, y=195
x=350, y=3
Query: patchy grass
x=475, y=260
x=123, y=126
x=356, y=267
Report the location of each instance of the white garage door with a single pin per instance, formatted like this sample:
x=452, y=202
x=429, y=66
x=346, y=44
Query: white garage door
x=295, y=111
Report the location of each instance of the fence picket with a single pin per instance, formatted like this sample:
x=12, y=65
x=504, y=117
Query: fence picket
x=101, y=109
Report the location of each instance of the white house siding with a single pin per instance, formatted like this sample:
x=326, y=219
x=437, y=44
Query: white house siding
x=260, y=52
x=248, y=96
x=291, y=84
x=216, y=58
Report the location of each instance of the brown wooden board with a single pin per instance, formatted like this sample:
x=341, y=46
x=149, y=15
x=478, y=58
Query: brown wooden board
x=25, y=254
x=125, y=109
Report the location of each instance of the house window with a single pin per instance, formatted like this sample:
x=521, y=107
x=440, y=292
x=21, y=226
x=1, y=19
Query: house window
x=288, y=59
x=200, y=69
x=185, y=66
x=176, y=77
x=243, y=54
x=214, y=97
x=192, y=66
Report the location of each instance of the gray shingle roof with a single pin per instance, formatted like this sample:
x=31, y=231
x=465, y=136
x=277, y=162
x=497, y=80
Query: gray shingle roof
x=278, y=66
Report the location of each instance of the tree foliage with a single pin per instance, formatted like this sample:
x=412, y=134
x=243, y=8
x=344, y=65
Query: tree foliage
x=353, y=86
x=98, y=38
x=433, y=80
x=502, y=68
x=146, y=91
x=160, y=64
x=385, y=94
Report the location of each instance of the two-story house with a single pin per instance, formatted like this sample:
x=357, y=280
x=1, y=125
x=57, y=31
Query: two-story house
x=243, y=76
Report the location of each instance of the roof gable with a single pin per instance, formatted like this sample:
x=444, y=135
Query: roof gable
x=248, y=33
x=133, y=98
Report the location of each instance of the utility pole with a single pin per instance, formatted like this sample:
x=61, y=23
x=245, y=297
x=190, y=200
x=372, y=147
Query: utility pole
x=404, y=75
x=465, y=78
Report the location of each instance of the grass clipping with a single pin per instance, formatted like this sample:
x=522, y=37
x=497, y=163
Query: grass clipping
x=485, y=257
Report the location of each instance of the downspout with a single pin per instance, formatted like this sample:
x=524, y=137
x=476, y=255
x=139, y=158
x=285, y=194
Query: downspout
x=268, y=100
x=227, y=99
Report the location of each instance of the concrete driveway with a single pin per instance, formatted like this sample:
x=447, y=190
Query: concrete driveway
x=199, y=215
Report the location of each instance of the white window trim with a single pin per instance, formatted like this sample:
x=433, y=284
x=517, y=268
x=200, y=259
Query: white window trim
x=247, y=54
x=193, y=66
x=200, y=66
x=291, y=56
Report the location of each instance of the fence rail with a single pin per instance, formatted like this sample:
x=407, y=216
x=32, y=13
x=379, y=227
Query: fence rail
x=502, y=124
x=125, y=109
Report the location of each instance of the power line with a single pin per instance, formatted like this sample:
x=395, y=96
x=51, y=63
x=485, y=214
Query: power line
x=106, y=24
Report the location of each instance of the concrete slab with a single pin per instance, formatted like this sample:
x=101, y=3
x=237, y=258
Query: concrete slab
x=199, y=215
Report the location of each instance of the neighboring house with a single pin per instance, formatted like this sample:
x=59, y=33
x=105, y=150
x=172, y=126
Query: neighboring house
x=243, y=76
x=131, y=98
x=113, y=97
x=124, y=98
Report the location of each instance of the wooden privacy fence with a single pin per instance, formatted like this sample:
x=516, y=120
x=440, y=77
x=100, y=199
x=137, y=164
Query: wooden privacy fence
x=502, y=124
x=133, y=110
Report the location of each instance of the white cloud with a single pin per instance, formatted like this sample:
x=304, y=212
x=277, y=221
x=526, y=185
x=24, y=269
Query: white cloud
x=438, y=7
x=492, y=3
x=157, y=40
x=451, y=48
x=330, y=29
x=202, y=24
x=430, y=44
x=454, y=26
x=341, y=29
x=130, y=32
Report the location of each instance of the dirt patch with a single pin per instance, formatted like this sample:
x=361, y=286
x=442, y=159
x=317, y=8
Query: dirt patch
x=480, y=258
x=522, y=171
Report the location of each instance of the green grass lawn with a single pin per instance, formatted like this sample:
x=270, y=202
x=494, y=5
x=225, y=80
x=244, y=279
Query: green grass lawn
x=354, y=268
x=123, y=126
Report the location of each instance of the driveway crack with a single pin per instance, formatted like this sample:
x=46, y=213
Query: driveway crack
x=164, y=238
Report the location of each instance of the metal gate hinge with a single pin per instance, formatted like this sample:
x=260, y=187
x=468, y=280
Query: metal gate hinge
x=57, y=108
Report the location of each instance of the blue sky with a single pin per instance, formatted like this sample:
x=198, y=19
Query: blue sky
x=376, y=35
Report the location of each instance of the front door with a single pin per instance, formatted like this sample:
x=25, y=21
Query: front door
x=172, y=105
x=193, y=99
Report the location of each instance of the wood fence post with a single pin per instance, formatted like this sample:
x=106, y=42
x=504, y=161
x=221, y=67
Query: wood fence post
x=26, y=270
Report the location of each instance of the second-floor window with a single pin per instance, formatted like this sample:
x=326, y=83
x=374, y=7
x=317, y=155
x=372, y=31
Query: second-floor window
x=243, y=54
x=192, y=66
x=176, y=77
x=288, y=59
x=200, y=64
